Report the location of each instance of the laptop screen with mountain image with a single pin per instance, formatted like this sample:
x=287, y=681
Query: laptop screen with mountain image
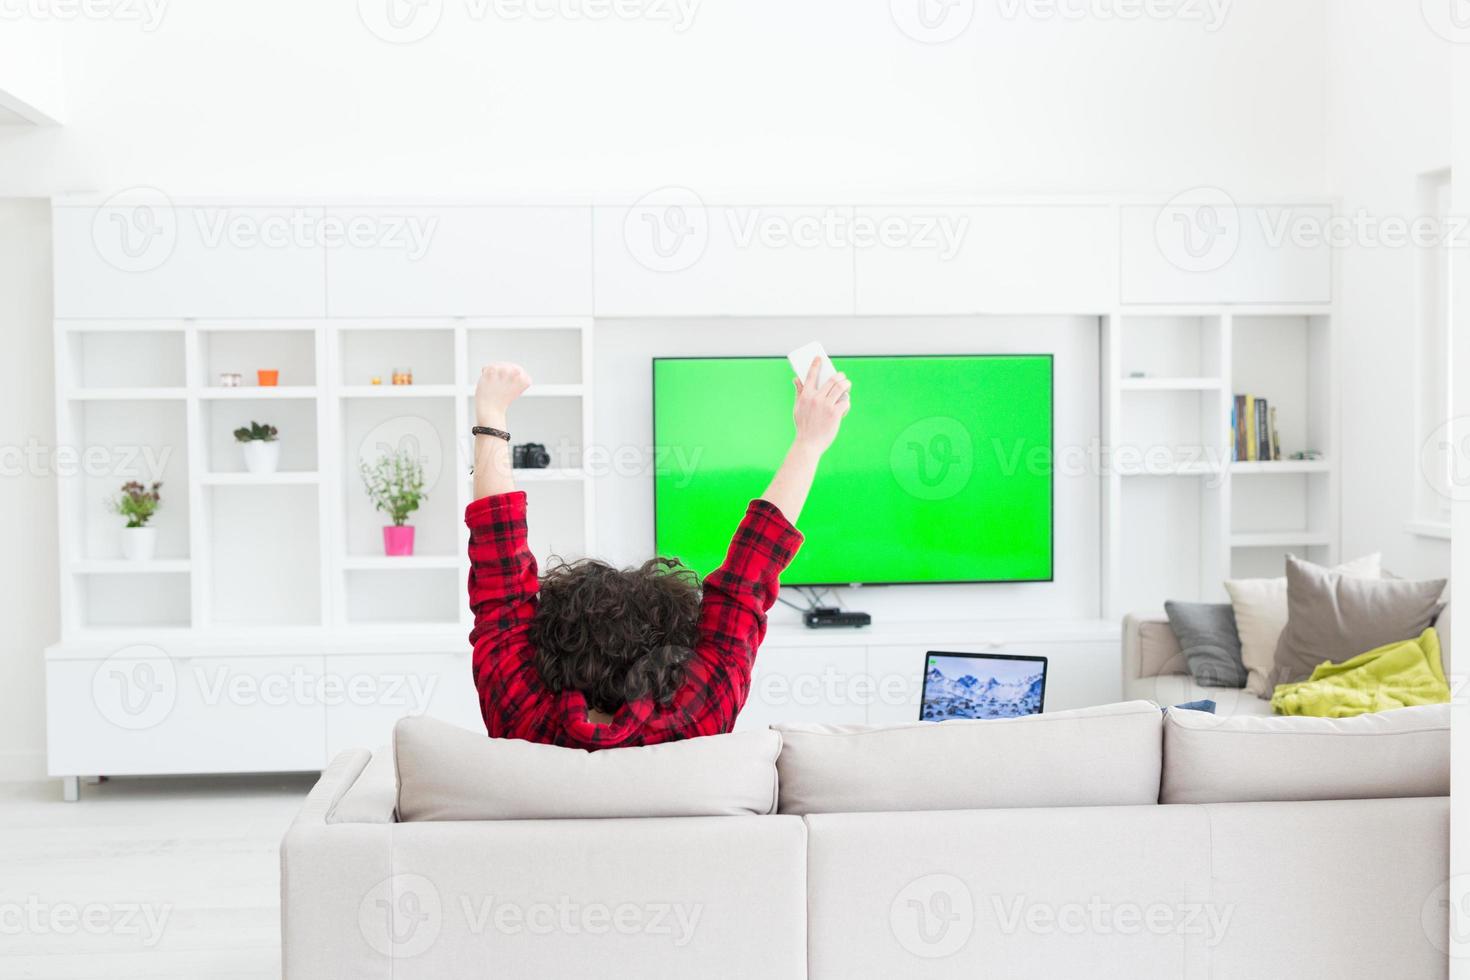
x=982, y=685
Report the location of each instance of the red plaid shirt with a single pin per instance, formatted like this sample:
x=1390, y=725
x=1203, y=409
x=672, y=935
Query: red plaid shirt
x=732, y=622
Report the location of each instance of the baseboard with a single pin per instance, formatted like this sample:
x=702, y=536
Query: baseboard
x=22, y=767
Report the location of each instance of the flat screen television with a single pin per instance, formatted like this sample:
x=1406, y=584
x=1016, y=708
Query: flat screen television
x=942, y=471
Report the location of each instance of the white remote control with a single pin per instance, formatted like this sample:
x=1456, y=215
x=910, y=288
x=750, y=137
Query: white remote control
x=801, y=361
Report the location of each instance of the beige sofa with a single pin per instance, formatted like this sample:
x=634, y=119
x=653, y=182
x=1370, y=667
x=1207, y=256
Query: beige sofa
x=1034, y=847
x=1154, y=667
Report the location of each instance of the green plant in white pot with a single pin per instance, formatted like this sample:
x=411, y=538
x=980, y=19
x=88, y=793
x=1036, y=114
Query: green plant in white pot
x=396, y=485
x=261, y=446
x=138, y=504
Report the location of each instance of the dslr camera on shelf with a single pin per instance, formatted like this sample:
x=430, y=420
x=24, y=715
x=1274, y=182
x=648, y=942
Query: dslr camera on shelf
x=529, y=456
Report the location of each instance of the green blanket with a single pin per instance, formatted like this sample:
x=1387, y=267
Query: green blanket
x=1394, y=676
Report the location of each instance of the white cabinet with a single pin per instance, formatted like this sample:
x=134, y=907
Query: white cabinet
x=143, y=711
x=1054, y=258
x=813, y=685
x=144, y=257
x=681, y=258
x=463, y=261
x=1201, y=250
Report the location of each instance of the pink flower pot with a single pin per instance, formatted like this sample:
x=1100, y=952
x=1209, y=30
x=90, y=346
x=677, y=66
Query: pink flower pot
x=398, y=541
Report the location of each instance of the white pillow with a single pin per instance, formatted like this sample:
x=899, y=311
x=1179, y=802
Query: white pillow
x=1261, y=613
x=1102, y=756
x=449, y=773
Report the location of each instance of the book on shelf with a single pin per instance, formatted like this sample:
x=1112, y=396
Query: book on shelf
x=1253, y=425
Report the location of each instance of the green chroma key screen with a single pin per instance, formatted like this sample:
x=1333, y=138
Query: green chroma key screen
x=942, y=471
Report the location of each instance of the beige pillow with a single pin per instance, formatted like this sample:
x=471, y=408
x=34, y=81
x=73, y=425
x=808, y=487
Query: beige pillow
x=1333, y=617
x=1260, y=615
x=1247, y=759
x=449, y=773
x=1103, y=756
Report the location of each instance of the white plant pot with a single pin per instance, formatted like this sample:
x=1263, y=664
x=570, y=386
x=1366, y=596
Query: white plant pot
x=138, y=543
x=261, y=456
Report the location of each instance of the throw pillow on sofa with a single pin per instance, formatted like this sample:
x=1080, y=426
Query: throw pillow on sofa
x=449, y=773
x=1260, y=616
x=1333, y=617
x=1209, y=641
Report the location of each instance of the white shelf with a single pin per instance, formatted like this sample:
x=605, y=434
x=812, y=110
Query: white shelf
x=122, y=326
x=1170, y=384
x=255, y=326
x=127, y=394
x=1280, y=466
x=398, y=391
x=220, y=392
x=279, y=478
x=1280, y=539
x=545, y=391
x=400, y=563
x=123, y=566
x=1176, y=469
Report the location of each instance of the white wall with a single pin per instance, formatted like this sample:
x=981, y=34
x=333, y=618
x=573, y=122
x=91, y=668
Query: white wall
x=625, y=500
x=1390, y=119
x=799, y=101
x=28, y=575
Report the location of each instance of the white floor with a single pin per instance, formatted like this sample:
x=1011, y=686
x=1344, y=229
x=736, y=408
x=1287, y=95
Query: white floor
x=156, y=878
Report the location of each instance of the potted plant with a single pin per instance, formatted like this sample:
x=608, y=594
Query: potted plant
x=396, y=485
x=261, y=447
x=138, y=504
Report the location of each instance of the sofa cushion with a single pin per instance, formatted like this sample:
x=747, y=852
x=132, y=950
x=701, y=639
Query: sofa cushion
x=1209, y=641
x=1260, y=616
x=449, y=773
x=1089, y=757
x=1334, y=617
x=1244, y=759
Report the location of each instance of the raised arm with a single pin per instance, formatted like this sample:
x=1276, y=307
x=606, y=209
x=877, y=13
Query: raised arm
x=503, y=581
x=818, y=413
x=738, y=594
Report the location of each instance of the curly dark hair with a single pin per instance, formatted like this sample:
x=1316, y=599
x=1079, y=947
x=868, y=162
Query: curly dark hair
x=616, y=635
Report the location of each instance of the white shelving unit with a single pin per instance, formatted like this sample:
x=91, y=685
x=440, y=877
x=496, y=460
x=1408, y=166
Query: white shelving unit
x=1169, y=381
x=299, y=548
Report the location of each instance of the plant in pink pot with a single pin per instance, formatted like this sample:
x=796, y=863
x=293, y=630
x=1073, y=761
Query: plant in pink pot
x=395, y=483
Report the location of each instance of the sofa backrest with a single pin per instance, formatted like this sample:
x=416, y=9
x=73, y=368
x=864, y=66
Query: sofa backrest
x=1241, y=759
x=1108, y=755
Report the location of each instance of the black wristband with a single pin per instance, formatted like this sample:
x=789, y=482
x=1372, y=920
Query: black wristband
x=485, y=430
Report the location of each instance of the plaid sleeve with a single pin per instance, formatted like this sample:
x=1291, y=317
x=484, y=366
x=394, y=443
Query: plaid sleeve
x=502, y=587
x=732, y=623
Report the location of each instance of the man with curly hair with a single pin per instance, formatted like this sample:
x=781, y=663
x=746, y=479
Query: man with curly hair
x=595, y=657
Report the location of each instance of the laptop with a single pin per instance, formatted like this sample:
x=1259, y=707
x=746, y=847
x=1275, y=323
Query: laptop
x=981, y=685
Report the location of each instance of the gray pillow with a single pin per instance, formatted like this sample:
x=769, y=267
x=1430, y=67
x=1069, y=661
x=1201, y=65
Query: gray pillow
x=1334, y=617
x=1206, y=634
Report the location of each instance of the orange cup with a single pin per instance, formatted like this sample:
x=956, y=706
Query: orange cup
x=267, y=379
